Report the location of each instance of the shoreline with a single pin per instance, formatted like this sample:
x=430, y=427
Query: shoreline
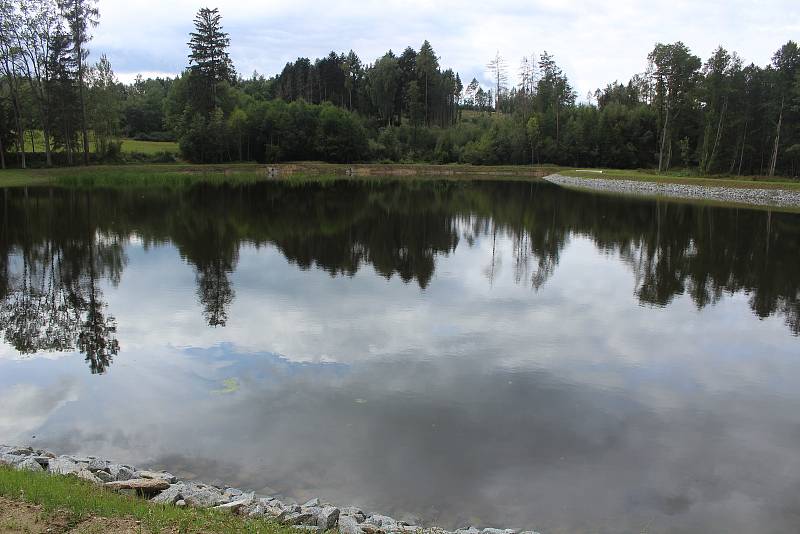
x=161, y=487
x=747, y=196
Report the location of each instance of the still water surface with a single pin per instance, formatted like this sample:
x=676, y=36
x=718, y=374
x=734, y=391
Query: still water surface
x=505, y=354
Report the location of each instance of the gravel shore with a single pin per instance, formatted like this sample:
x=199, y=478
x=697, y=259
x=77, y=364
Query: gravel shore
x=742, y=195
x=314, y=517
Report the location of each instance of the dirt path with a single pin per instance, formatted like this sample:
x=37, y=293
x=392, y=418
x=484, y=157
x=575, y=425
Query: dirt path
x=23, y=518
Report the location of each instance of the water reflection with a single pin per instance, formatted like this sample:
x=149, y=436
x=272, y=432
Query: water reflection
x=493, y=353
x=58, y=243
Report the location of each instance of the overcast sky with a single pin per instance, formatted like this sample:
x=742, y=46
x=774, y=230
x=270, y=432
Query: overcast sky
x=595, y=42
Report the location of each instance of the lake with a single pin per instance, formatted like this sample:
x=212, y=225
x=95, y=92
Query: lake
x=508, y=354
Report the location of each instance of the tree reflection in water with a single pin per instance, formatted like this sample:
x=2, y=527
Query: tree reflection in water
x=59, y=245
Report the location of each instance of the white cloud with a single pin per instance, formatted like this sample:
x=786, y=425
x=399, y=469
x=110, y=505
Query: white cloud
x=594, y=42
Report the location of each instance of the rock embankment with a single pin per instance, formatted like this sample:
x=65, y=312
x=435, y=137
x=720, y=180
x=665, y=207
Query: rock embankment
x=164, y=488
x=787, y=198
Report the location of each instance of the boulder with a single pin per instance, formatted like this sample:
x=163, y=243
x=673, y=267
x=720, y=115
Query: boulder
x=169, y=477
x=312, y=503
x=468, y=530
x=62, y=466
x=141, y=485
x=381, y=521
x=238, y=504
x=201, y=496
x=104, y=476
x=42, y=460
x=180, y=503
x=355, y=513
x=29, y=464
x=498, y=531
x=88, y=476
x=297, y=518
x=96, y=464
x=327, y=516
x=171, y=495
x=120, y=472
x=371, y=528
x=348, y=525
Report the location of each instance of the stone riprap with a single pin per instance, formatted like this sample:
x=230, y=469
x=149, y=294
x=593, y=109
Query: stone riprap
x=164, y=488
x=786, y=198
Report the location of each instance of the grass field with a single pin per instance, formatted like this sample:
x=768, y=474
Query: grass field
x=129, y=146
x=149, y=147
x=68, y=502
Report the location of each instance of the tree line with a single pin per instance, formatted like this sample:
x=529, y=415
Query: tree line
x=717, y=116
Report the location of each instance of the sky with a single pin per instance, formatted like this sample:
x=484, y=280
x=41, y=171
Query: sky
x=595, y=42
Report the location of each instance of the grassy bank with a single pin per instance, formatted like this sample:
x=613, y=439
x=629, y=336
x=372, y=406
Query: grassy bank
x=180, y=174
x=67, y=504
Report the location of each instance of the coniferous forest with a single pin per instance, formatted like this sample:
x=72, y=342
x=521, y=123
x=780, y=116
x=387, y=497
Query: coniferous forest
x=713, y=115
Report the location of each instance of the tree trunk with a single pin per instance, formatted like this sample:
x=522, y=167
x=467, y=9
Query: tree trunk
x=774, y=160
x=48, y=152
x=741, y=155
x=718, y=136
x=2, y=154
x=663, y=142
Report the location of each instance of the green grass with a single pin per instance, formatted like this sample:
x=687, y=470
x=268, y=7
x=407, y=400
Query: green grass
x=149, y=147
x=129, y=146
x=80, y=500
x=179, y=174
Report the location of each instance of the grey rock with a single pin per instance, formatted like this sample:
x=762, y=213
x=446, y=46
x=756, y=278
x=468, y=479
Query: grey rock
x=253, y=509
x=20, y=451
x=297, y=518
x=62, y=466
x=88, y=476
x=312, y=503
x=234, y=506
x=120, y=472
x=201, y=496
x=96, y=464
x=742, y=195
x=348, y=525
x=42, y=460
x=180, y=503
x=169, y=477
x=468, y=530
x=104, y=476
x=371, y=528
x=171, y=495
x=9, y=459
x=233, y=492
x=355, y=513
x=327, y=516
x=29, y=464
x=307, y=528
x=144, y=485
x=381, y=520
x=498, y=531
